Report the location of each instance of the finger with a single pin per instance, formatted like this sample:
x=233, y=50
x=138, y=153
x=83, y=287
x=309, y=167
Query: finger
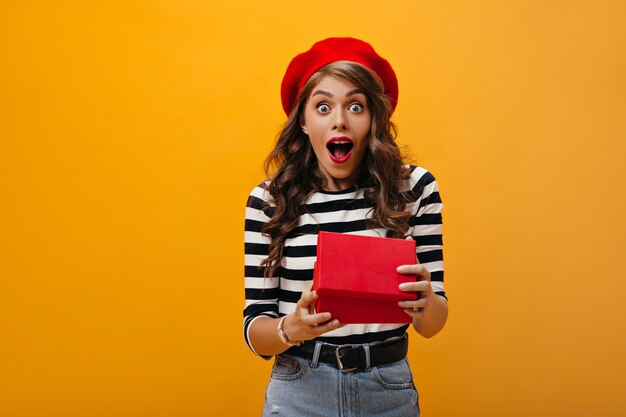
x=416, y=269
x=408, y=238
x=315, y=319
x=411, y=269
x=306, y=299
x=325, y=328
x=309, y=289
x=415, y=286
x=415, y=314
x=420, y=303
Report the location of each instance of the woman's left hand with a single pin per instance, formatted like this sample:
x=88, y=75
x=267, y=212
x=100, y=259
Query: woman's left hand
x=425, y=294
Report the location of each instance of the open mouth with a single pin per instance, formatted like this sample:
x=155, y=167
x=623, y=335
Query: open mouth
x=339, y=149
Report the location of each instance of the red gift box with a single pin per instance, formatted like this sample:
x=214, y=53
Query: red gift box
x=356, y=279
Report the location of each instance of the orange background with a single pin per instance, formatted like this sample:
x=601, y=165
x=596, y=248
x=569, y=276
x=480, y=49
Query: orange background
x=131, y=133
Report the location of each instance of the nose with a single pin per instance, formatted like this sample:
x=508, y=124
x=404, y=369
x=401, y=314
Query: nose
x=340, y=121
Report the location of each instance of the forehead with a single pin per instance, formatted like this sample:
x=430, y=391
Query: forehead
x=335, y=86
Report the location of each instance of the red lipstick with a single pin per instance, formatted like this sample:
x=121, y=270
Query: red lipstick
x=339, y=149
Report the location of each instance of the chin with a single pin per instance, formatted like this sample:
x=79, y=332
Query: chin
x=340, y=174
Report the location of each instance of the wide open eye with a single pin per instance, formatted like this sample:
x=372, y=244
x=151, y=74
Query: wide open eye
x=323, y=108
x=356, y=107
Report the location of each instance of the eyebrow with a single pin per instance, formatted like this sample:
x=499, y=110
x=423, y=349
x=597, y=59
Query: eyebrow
x=348, y=94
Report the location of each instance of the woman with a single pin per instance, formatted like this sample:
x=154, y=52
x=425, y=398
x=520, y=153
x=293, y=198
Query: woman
x=337, y=168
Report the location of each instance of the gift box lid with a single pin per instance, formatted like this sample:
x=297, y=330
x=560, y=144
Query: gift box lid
x=362, y=266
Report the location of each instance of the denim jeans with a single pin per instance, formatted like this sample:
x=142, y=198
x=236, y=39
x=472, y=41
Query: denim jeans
x=302, y=388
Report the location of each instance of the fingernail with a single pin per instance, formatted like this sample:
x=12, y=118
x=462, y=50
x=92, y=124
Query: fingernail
x=326, y=316
x=403, y=286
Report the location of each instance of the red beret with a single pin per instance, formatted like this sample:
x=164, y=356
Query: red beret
x=330, y=50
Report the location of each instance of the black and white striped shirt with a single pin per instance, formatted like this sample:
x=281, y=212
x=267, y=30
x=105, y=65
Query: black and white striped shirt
x=343, y=211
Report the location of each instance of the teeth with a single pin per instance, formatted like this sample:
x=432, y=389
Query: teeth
x=340, y=141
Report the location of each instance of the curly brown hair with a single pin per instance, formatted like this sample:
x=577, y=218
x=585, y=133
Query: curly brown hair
x=296, y=173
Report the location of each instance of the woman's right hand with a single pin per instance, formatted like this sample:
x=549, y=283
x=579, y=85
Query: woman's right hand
x=304, y=323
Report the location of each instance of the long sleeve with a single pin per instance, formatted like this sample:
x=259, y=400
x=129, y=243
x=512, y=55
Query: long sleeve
x=427, y=226
x=261, y=293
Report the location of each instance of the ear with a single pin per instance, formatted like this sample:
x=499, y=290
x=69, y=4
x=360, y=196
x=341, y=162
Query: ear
x=303, y=126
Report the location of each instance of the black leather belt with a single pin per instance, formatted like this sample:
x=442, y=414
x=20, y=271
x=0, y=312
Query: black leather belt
x=355, y=357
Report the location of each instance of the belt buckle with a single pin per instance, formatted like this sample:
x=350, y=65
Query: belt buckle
x=338, y=356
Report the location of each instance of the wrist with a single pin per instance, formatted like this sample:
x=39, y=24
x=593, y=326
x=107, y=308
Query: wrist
x=284, y=336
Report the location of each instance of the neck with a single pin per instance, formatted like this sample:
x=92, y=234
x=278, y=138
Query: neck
x=338, y=184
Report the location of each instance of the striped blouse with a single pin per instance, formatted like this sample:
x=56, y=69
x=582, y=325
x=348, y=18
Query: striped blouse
x=343, y=211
